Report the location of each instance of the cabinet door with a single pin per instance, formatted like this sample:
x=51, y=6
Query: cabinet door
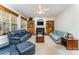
x=69, y=44
x=75, y=44
x=72, y=44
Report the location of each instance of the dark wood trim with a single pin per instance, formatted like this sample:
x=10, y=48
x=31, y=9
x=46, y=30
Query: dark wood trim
x=7, y=10
x=23, y=18
x=3, y=8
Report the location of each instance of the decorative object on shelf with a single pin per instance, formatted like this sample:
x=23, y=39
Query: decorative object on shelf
x=30, y=19
x=68, y=35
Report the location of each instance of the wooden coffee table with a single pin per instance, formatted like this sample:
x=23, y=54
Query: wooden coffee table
x=39, y=39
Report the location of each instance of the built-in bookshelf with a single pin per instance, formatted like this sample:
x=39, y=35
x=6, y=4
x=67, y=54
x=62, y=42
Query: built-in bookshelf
x=49, y=26
x=31, y=26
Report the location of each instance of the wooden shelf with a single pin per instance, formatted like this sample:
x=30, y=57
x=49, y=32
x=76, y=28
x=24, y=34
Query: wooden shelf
x=49, y=26
x=31, y=27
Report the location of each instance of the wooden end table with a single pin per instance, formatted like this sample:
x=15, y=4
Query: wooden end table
x=70, y=44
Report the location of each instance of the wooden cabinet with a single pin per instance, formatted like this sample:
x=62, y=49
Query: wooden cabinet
x=31, y=26
x=49, y=26
x=39, y=35
x=39, y=39
x=70, y=44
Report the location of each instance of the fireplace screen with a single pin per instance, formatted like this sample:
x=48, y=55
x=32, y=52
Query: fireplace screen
x=39, y=30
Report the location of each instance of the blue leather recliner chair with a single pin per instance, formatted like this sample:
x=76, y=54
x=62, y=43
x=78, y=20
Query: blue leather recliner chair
x=24, y=48
x=18, y=36
x=17, y=46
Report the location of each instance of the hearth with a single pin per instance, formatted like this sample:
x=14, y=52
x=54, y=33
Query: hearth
x=40, y=35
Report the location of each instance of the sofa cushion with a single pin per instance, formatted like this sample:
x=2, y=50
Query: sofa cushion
x=25, y=47
x=59, y=33
x=21, y=33
x=55, y=37
x=13, y=50
x=26, y=37
x=15, y=38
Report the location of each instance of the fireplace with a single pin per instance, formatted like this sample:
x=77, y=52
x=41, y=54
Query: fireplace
x=40, y=31
x=40, y=35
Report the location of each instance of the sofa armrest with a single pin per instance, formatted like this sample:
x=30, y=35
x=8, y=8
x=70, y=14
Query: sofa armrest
x=26, y=37
x=14, y=38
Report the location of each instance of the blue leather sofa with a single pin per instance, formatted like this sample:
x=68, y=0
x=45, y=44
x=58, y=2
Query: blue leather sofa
x=19, y=46
x=18, y=36
x=56, y=36
x=24, y=48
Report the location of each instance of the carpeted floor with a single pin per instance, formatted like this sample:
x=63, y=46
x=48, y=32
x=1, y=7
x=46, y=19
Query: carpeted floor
x=49, y=47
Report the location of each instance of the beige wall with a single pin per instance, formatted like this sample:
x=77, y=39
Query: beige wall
x=69, y=21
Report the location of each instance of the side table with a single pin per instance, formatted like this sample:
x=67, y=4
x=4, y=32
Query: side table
x=70, y=44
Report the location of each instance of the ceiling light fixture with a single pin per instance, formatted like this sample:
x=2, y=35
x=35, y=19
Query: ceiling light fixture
x=41, y=10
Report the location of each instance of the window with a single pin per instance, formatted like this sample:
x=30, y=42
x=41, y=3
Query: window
x=4, y=22
x=23, y=24
x=13, y=22
x=8, y=22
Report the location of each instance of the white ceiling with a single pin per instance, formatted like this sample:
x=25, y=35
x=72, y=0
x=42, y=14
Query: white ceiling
x=28, y=9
